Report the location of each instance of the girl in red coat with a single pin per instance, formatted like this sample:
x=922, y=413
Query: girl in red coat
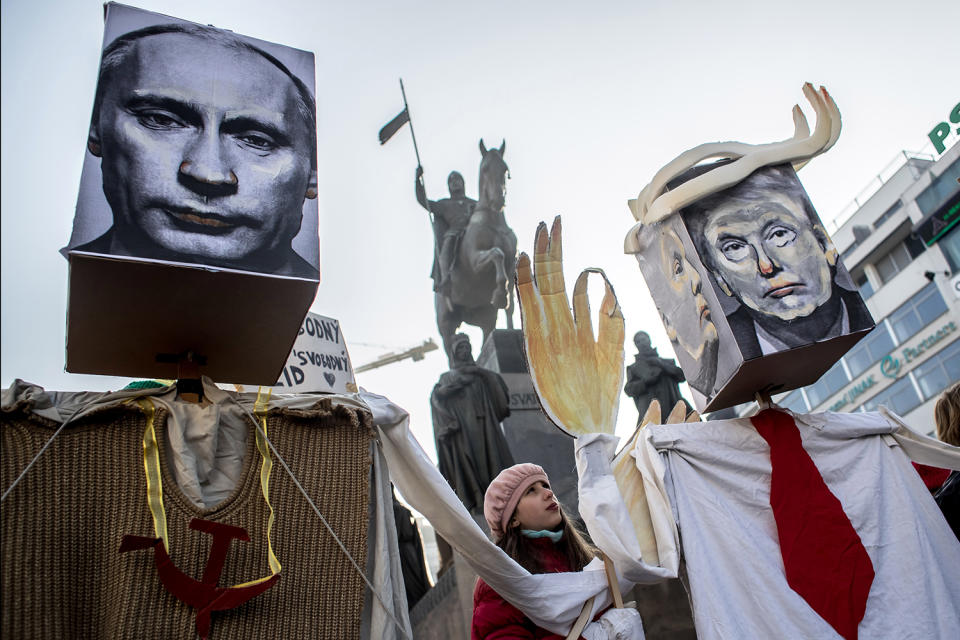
x=528, y=523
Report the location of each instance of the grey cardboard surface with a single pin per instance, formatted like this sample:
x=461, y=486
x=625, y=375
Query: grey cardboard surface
x=122, y=313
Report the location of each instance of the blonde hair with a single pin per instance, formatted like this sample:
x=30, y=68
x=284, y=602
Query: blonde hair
x=946, y=414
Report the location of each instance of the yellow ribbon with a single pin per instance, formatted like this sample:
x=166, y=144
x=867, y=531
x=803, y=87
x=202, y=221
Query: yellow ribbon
x=266, y=466
x=151, y=465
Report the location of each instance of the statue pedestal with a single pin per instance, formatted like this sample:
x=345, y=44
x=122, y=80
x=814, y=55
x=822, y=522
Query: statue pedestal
x=530, y=435
x=446, y=611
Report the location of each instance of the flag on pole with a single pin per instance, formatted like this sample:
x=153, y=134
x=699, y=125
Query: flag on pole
x=394, y=125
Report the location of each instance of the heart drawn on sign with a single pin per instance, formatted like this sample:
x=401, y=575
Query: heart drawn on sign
x=329, y=377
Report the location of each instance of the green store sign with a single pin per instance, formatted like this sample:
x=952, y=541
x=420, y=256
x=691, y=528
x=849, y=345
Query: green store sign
x=936, y=225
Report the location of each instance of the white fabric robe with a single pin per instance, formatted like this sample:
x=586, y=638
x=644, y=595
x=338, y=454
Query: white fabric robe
x=718, y=481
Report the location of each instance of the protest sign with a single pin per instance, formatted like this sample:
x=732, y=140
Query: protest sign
x=319, y=360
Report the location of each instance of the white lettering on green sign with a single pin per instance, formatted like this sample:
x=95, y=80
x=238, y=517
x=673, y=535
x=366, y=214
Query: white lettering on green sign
x=891, y=365
x=854, y=392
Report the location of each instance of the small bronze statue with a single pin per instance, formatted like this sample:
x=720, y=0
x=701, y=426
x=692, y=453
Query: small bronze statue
x=652, y=377
x=468, y=404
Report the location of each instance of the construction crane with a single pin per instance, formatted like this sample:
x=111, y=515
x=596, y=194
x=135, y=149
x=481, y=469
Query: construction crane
x=416, y=353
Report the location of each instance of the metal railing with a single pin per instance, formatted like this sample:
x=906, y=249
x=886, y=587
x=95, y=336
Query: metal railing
x=901, y=159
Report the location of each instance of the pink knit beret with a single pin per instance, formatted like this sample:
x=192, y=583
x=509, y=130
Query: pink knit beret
x=505, y=492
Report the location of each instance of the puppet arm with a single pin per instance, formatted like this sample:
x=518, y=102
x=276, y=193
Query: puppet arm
x=577, y=377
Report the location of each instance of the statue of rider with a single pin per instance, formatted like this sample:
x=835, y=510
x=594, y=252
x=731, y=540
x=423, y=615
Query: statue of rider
x=450, y=218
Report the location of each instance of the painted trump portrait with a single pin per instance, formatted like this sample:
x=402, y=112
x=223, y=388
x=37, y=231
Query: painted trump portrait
x=744, y=273
x=673, y=274
x=782, y=307
x=769, y=255
x=206, y=143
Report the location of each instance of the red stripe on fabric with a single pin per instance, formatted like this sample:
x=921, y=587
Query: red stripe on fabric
x=823, y=556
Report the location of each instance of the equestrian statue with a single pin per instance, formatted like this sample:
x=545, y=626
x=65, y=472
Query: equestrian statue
x=475, y=251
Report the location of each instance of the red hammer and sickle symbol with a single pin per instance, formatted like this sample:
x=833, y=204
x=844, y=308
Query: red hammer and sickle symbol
x=204, y=594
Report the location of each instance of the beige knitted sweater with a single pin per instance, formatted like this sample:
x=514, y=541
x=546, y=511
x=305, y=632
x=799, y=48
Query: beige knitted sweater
x=63, y=576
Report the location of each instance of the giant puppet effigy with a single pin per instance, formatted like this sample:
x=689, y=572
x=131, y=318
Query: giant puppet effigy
x=825, y=529
x=789, y=525
x=745, y=278
x=199, y=189
x=175, y=509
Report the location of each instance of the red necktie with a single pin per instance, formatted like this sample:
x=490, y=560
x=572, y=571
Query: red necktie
x=823, y=556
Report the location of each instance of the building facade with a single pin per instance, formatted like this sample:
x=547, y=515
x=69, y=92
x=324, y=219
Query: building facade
x=901, y=244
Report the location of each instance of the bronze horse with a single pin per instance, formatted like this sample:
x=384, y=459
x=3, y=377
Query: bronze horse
x=483, y=273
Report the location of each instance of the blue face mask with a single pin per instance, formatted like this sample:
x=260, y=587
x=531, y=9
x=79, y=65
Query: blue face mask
x=553, y=535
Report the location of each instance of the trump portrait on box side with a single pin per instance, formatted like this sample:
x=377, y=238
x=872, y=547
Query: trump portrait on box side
x=767, y=249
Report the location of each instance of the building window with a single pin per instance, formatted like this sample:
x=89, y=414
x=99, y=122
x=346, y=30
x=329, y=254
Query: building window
x=892, y=263
x=794, y=401
x=886, y=214
x=897, y=259
x=938, y=372
x=914, y=244
x=950, y=245
x=917, y=312
x=828, y=384
x=864, y=287
x=900, y=397
x=877, y=344
x=940, y=190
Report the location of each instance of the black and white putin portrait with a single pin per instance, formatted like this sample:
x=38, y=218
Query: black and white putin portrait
x=207, y=148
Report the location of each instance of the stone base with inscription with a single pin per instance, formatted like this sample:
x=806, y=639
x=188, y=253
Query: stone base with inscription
x=530, y=434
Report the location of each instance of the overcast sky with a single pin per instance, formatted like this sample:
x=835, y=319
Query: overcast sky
x=592, y=99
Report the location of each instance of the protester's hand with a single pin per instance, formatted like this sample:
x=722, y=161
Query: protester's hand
x=616, y=624
x=577, y=378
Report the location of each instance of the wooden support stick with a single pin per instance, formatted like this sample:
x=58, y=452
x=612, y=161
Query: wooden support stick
x=612, y=582
x=189, y=385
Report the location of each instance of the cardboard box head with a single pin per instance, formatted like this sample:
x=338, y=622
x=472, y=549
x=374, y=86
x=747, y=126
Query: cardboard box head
x=200, y=176
x=750, y=288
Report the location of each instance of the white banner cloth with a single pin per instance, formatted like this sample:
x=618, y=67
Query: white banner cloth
x=605, y=514
x=718, y=478
x=553, y=600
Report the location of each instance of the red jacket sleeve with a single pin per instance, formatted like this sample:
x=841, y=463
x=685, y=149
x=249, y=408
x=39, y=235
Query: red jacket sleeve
x=496, y=619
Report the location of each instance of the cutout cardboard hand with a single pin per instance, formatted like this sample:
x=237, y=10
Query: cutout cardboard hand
x=577, y=378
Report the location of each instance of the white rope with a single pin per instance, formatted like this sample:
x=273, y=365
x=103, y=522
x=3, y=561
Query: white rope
x=40, y=453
